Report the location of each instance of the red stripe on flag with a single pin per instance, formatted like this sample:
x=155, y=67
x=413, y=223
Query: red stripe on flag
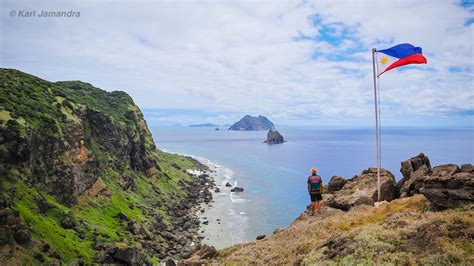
x=411, y=59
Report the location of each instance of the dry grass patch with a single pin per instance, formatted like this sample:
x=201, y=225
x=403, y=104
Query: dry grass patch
x=399, y=232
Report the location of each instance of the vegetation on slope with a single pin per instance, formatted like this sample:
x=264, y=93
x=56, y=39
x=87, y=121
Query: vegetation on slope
x=78, y=164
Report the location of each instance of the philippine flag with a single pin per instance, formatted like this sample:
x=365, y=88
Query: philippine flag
x=398, y=55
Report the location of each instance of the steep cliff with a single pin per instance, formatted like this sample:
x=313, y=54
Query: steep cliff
x=82, y=180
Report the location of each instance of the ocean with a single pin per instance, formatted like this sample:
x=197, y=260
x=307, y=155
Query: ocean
x=274, y=176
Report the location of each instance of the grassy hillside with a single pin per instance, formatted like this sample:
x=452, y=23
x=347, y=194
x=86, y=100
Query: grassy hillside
x=79, y=169
x=401, y=232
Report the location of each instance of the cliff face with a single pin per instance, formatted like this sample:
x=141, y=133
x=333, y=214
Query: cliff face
x=63, y=135
x=70, y=150
x=253, y=123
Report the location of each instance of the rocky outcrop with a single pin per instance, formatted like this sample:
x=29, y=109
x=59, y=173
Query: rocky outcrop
x=237, y=189
x=449, y=186
x=446, y=186
x=199, y=255
x=336, y=183
x=414, y=171
x=248, y=123
x=274, y=137
x=362, y=189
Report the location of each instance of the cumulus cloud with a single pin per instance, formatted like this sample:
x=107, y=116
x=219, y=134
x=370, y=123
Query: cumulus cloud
x=297, y=62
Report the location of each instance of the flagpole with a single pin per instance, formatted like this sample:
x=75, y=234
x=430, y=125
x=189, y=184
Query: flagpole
x=380, y=135
x=377, y=129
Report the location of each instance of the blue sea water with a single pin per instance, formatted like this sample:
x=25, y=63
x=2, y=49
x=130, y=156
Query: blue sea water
x=274, y=176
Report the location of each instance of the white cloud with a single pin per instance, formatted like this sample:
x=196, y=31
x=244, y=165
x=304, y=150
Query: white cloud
x=247, y=57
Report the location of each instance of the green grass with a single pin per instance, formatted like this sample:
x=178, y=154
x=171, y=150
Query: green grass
x=47, y=226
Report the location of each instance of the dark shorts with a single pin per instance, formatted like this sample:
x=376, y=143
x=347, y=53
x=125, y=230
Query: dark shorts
x=316, y=196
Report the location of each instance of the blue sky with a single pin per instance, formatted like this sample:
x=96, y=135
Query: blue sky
x=296, y=62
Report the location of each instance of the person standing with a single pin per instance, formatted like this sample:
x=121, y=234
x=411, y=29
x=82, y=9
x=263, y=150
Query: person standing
x=315, y=188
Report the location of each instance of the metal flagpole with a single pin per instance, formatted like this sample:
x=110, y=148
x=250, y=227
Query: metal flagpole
x=380, y=135
x=377, y=130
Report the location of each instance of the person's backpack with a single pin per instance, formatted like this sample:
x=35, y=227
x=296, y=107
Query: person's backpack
x=315, y=184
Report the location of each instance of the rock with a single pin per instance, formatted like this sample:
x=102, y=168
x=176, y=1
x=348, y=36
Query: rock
x=446, y=170
x=122, y=216
x=467, y=168
x=260, y=237
x=414, y=171
x=127, y=182
x=228, y=184
x=39, y=257
x=103, y=258
x=68, y=223
x=362, y=190
x=278, y=230
x=43, y=205
x=447, y=187
x=237, y=189
x=135, y=228
x=253, y=123
x=336, y=183
x=217, y=190
x=130, y=255
x=45, y=247
x=22, y=236
x=337, y=246
x=200, y=253
x=274, y=137
x=170, y=262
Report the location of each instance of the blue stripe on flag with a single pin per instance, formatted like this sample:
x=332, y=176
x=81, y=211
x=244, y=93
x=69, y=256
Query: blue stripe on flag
x=401, y=50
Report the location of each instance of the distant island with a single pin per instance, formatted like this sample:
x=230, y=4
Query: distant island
x=204, y=125
x=249, y=122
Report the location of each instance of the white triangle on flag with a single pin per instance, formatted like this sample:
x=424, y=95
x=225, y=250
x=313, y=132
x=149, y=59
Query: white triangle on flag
x=383, y=61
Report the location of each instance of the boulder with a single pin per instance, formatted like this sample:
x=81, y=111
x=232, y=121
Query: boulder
x=122, y=216
x=336, y=183
x=469, y=168
x=130, y=255
x=362, y=189
x=68, y=223
x=260, y=237
x=228, y=184
x=237, y=189
x=449, y=187
x=199, y=255
x=128, y=182
x=135, y=228
x=414, y=171
x=22, y=236
x=43, y=205
x=274, y=137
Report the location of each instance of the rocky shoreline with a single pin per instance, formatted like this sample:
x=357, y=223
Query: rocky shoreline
x=180, y=239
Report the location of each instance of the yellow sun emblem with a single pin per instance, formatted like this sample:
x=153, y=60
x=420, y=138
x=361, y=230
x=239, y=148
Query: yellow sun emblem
x=384, y=60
